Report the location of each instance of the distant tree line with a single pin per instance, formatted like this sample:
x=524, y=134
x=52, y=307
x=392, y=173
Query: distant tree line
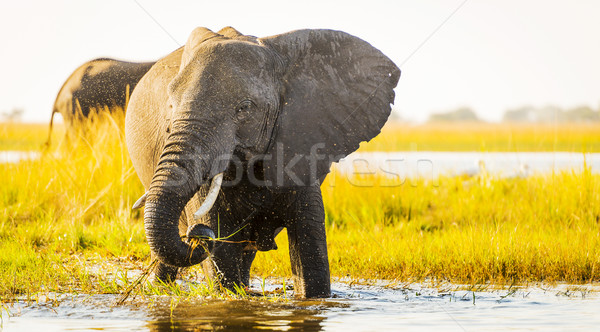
x=525, y=114
x=13, y=115
x=551, y=114
x=461, y=114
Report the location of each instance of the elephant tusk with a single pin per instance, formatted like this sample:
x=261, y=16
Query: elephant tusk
x=211, y=197
x=140, y=202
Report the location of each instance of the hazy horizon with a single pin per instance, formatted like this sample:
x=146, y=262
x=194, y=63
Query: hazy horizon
x=490, y=55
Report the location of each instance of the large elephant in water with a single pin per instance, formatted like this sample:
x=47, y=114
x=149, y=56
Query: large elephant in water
x=94, y=85
x=267, y=116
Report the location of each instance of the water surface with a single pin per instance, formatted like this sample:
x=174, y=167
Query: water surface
x=16, y=156
x=353, y=308
x=432, y=164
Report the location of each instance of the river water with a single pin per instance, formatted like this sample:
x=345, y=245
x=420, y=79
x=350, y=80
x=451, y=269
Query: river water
x=353, y=308
x=432, y=164
x=16, y=156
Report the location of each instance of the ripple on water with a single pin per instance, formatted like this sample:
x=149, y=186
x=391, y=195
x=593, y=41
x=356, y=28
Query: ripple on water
x=355, y=308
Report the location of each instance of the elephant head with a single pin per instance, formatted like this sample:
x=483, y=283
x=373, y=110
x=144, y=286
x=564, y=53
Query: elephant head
x=289, y=104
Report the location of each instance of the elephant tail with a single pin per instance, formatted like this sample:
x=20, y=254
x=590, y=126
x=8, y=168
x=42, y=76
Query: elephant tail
x=47, y=144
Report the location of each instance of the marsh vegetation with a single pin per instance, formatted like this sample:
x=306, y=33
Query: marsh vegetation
x=66, y=224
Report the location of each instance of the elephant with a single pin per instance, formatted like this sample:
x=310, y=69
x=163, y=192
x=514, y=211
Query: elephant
x=232, y=135
x=95, y=84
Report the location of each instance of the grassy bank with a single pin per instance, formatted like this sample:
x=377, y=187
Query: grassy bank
x=543, y=228
x=570, y=137
x=67, y=209
x=64, y=217
x=27, y=136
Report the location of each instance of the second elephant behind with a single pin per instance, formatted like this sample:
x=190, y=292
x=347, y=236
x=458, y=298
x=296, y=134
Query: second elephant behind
x=94, y=85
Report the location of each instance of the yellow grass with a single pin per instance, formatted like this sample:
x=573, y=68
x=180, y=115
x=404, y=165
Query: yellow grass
x=26, y=136
x=66, y=214
x=543, y=228
x=571, y=137
x=69, y=206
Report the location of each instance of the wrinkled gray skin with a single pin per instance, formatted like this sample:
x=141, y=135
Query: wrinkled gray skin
x=301, y=100
x=95, y=84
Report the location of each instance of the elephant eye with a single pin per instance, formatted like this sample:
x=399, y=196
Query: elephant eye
x=245, y=106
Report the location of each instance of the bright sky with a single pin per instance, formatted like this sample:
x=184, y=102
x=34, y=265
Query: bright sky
x=490, y=55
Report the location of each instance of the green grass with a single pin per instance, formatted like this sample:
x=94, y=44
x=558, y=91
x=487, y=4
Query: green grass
x=66, y=224
x=543, y=228
x=69, y=206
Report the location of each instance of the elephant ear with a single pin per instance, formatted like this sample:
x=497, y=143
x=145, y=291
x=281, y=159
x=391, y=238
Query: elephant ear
x=337, y=93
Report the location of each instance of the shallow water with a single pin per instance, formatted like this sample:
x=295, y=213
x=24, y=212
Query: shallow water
x=432, y=164
x=353, y=308
x=16, y=156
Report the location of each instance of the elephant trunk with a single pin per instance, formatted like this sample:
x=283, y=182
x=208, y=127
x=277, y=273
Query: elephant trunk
x=161, y=220
x=176, y=180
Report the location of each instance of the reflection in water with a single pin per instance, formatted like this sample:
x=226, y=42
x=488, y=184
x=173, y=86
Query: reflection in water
x=237, y=316
x=354, y=308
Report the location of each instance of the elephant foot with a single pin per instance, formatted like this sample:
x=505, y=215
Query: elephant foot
x=165, y=273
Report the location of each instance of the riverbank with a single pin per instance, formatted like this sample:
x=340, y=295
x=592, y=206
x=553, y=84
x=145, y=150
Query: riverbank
x=475, y=137
x=487, y=137
x=65, y=212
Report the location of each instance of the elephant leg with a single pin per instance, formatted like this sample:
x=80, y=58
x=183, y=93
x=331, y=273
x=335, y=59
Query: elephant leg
x=165, y=273
x=265, y=227
x=226, y=264
x=247, y=259
x=307, y=242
